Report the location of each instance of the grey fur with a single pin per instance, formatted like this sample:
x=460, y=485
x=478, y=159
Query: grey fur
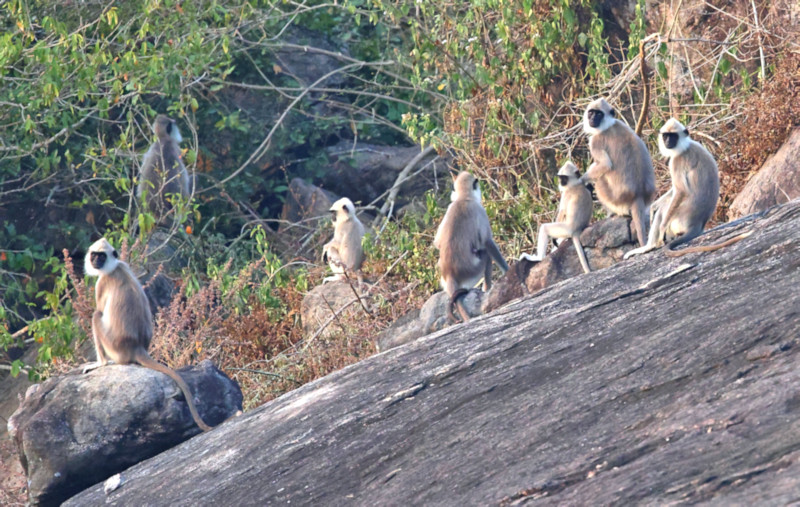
x=574, y=214
x=681, y=214
x=122, y=325
x=465, y=242
x=622, y=171
x=344, y=251
x=163, y=171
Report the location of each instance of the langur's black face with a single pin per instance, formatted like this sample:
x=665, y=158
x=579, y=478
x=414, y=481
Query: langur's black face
x=98, y=259
x=563, y=179
x=596, y=116
x=670, y=139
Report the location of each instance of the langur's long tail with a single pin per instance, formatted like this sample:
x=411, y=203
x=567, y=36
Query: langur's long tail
x=454, y=301
x=145, y=360
x=705, y=248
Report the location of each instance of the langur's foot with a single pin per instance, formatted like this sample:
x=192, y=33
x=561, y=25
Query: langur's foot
x=529, y=258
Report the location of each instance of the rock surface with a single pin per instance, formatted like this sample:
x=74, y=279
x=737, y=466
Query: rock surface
x=305, y=63
x=655, y=381
x=605, y=242
x=159, y=289
x=75, y=430
x=777, y=181
x=13, y=388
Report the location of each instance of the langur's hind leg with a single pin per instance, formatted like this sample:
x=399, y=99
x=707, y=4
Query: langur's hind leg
x=98, y=337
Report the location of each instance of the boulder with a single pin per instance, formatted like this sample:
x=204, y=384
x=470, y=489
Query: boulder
x=605, y=242
x=658, y=381
x=159, y=289
x=162, y=258
x=430, y=318
x=298, y=57
x=76, y=430
x=415, y=210
x=363, y=171
x=319, y=306
x=403, y=330
x=777, y=181
x=304, y=202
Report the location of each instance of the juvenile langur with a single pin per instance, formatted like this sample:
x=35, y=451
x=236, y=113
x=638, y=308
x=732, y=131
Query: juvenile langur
x=163, y=172
x=122, y=325
x=622, y=171
x=344, y=251
x=466, y=247
x=681, y=214
x=574, y=213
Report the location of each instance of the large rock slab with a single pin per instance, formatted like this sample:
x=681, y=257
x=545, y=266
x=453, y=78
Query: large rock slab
x=75, y=430
x=323, y=305
x=777, y=181
x=655, y=381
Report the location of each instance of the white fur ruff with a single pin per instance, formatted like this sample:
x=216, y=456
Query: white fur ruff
x=176, y=134
x=476, y=194
x=101, y=245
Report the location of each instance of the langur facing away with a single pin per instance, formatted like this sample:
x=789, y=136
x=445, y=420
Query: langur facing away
x=163, y=172
x=344, y=251
x=465, y=243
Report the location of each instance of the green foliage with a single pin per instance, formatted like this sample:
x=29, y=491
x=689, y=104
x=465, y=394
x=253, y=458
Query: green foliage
x=81, y=86
x=638, y=29
x=410, y=238
x=256, y=281
x=489, y=59
x=56, y=335
x=21, y=270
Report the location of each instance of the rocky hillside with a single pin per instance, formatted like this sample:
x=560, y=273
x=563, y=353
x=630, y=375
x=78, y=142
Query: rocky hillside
x=655, y=380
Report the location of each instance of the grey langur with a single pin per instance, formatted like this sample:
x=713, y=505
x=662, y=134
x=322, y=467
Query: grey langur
x=574, y=214
x=681, y=214
x=122, y=325
x=163, y=172
x=344, y=251
x=465, y=243
x=622, y=171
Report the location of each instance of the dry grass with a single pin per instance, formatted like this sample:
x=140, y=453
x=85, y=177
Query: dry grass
x=13, y=486
x=263, y=347
x=81, y=302
x=763, y=123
